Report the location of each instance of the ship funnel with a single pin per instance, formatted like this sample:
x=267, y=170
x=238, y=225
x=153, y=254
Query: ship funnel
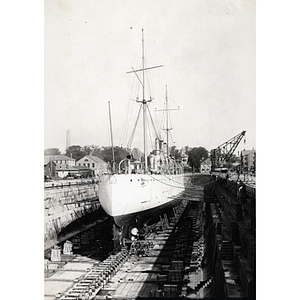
x=161, y=145
x=165, y=148
x=156, y=146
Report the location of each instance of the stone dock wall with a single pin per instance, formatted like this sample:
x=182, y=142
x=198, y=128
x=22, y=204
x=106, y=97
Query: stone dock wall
x=66, y=202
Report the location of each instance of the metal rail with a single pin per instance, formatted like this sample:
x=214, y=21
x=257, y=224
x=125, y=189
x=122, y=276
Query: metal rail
x=96, y=278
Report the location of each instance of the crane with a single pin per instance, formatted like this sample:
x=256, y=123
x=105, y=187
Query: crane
x=221, y=155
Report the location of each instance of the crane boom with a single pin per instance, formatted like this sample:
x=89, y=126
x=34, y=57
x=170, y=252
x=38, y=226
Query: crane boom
x=222, y=154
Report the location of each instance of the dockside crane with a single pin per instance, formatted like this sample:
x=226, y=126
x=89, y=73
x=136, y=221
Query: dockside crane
x=221, y=155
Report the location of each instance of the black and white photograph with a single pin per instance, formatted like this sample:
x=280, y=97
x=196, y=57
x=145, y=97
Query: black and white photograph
x=149, y=149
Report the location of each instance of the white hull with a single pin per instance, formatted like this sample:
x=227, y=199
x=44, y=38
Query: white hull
x=125, y=194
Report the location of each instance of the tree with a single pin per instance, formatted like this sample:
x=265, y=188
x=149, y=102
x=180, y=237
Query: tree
x=75, y=152
x=87, y=150
x=90, y=149
x=105, y=153
x=51, y=151
x=97, y=152
x=196, y=156
x=175, y=153
x=186, y=149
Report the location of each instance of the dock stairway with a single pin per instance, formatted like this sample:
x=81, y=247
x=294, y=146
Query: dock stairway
x=227, y=251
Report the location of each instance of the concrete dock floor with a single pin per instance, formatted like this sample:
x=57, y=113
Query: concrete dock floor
x=138, y=276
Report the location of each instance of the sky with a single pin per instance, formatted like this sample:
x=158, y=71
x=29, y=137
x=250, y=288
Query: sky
x=24, y=97
x=207, y=49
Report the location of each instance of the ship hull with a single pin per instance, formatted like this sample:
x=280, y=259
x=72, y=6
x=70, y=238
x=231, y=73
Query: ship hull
x=124, y=196
x=149, y=216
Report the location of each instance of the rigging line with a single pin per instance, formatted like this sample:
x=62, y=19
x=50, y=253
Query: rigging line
x=130, y=140
x=157, y=120
x=133, y=85
x=152, y=122
x=171, y=137
x=162, y=125
x=137, y=76
x=176, y=186
x=131, y=117
x=154, y=128
x=125, y=128
x=187, y=187
x=150, y=133
x=150, y=130
x=125, y=125
x=149, y=82
x=163, y=182
x=149, y=86
x=134, y=128
x=174, y=180
x=191, y=187
x=126, y=122
x=164, y=119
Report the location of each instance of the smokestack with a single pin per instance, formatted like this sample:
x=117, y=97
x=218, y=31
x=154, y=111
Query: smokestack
x=156, y=146
x=161, y=145
x=165, y=148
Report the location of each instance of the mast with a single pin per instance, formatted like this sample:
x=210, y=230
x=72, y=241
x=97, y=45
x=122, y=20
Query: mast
x=111, y=137
x=144, y=105
x=144, y=101
x=167, y=129
x=167, y=123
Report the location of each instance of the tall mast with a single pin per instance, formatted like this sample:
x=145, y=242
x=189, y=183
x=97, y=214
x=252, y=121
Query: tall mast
x=167, y=109
x=111, y=137
x=167, y=122
x=144, y=104
x=144, y=101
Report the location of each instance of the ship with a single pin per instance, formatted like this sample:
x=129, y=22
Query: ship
x=143, y=186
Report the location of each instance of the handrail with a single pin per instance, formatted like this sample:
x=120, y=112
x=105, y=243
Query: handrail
x=127, y=169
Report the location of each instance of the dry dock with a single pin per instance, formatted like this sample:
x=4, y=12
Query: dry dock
x=131, y=273
x=203, y=249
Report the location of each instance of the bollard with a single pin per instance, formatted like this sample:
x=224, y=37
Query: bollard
x=67, y=250
x=56, y=254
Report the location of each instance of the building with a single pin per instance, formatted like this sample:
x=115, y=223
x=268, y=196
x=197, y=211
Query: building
x=60, y=159
x=248, y=160
x=205, y=166
x=49, y=169
x=85, y=172
x=59, y=166
x=96, y=164
x=64, y=171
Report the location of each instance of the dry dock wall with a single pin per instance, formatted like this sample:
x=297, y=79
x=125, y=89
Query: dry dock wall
x=233, y=212
x=66, y=202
